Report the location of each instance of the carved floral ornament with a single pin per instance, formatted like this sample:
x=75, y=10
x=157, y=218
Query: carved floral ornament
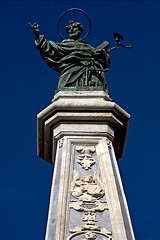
x=85, y=158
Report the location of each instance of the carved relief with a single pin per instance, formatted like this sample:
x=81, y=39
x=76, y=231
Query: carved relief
x=86, y=189
x=89, y=217
x=96, y=206
x=90, y=227
x=60, y=142
x=109, y=143
x=85, y=158
x=91, y=235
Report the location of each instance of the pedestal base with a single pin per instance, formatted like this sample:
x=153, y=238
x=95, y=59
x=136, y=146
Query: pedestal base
x=81, y=134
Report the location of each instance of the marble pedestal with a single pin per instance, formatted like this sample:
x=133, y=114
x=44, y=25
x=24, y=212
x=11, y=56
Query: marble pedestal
x=82, y=134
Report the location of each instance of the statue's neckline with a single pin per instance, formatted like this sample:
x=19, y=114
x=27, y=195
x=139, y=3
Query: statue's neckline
x=72, y=40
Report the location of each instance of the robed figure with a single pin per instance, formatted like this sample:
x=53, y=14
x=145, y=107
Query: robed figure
x=81, y=66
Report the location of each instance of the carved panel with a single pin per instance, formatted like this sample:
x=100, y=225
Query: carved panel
x=88, y=191
x=89, y=217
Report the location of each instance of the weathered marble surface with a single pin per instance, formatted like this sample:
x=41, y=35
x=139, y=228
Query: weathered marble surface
x=81, y=134
x=93, y=109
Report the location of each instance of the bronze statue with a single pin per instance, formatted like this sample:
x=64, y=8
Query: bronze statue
x=81, y=66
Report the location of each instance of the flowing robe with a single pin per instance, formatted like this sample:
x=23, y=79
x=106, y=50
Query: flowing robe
x=78, y=63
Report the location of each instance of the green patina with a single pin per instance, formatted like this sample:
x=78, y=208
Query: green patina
x=81, y=66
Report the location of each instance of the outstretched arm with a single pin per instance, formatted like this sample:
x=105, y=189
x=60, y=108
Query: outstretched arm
x=47, y=48
x=40, y=40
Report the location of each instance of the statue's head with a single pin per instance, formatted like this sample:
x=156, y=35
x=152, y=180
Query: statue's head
x=74, y=30
x=88, y=179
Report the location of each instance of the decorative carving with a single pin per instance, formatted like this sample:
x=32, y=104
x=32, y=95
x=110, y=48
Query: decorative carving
x=90, y=227
x=109, y=143
x=97, y=206
x=89, y=217
x=87, y=189
x=60, y=142
x=85, y=158
x=90, y=236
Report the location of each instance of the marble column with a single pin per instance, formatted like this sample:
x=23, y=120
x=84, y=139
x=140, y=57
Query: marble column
x=82, y=134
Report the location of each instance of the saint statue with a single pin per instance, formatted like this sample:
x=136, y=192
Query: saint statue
x=80, y=65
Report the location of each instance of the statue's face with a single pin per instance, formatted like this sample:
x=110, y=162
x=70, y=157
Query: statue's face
x=74, y=31
x=88, y=179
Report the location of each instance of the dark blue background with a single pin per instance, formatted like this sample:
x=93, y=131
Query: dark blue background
x=28, y=85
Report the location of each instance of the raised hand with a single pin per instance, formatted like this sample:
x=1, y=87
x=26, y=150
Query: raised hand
x=35, y=28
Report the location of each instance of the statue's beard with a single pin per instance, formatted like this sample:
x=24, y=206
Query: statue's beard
x=75, y=35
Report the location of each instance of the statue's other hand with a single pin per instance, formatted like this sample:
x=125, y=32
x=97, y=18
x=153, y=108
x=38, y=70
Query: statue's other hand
x=35, y=28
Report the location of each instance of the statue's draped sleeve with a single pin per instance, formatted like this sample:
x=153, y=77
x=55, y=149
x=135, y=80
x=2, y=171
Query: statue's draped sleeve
x=50, y=52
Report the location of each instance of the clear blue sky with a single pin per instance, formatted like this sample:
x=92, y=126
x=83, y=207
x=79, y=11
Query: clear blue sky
x=28, y=85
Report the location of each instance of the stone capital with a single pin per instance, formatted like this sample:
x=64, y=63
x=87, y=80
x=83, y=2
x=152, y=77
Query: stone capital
x=98, y=115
